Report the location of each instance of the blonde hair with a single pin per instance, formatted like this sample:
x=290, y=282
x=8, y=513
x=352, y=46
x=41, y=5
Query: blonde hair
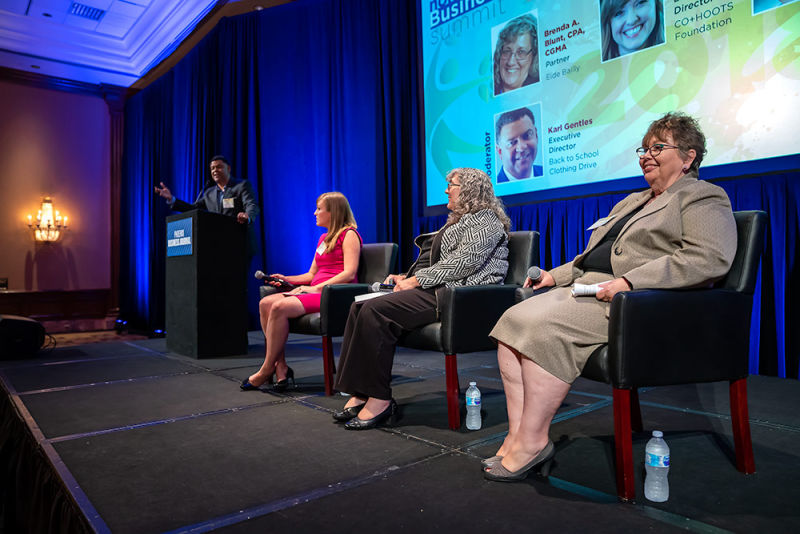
x=342, y=216
x=476, y=194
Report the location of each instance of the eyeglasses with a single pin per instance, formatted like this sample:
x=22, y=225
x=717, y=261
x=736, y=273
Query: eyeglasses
x=451, y=185
x=511, y=143
x=654, y=150
x=521, y=54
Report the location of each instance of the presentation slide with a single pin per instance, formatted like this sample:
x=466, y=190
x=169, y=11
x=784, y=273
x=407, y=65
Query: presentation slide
x=553, y=94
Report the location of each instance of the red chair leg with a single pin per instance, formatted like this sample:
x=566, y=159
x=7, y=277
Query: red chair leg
x=741, y=427
x=623, y=444
x=453, y=391
x=328, y=365
x=636, y=411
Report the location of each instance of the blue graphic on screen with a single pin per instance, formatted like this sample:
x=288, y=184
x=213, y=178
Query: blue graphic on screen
x=179, y=237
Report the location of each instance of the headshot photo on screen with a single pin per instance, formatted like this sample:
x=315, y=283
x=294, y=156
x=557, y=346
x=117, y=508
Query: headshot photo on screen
x=759, y=6
x=516, y=145
x=516, y=54
x=627, y=26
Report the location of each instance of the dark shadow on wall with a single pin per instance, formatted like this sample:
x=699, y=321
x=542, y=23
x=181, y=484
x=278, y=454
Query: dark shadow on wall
x=52, y=267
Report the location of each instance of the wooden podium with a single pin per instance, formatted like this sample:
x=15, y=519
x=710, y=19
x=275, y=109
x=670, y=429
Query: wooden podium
x=206, y=285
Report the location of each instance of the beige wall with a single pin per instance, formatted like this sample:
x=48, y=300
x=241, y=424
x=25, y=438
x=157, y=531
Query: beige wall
x=56, y=144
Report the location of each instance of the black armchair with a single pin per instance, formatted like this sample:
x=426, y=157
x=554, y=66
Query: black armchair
x=467, y=315
x=374, y=265
x=716, y=347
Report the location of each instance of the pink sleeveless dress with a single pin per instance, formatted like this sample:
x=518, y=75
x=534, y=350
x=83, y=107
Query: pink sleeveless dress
x=329, y=264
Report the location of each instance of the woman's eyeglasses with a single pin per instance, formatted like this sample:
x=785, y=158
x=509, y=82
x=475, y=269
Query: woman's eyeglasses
x=521, y=54
x=654, y=150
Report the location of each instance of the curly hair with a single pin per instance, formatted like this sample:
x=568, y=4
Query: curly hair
x=342, y=216
x=518, y=26
x=476, y=194
x=685, y=132
x=607, y=10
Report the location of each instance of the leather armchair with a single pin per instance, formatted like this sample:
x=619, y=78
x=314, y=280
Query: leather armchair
x=374, y=265
x=703, y=335
x=467, y=315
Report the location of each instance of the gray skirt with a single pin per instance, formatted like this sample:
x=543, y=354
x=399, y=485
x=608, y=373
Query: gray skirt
x=556, y=330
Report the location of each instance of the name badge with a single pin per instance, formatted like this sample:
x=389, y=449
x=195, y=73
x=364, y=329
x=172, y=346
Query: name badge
x=227, y=203
x=321, y=248
x=601, y=222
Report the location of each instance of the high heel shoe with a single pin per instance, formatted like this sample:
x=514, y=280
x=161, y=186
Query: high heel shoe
x=544, y=460
x=344, y=415
x=282, y=385
x=247, y=386
x=364, y=424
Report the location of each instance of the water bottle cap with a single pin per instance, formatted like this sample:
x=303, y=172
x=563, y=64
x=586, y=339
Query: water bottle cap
x=472, y=383
x=658, y=434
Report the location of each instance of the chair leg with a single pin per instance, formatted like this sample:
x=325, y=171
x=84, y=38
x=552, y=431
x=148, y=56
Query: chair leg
x=741, y=427
x=636, y=411
x=453, y=391
x=327, y=363
x=623, y=444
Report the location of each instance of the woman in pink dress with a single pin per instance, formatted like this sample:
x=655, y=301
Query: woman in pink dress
x=335, y=262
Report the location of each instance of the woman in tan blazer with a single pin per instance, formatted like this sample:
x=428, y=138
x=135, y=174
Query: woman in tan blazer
x=679, y=233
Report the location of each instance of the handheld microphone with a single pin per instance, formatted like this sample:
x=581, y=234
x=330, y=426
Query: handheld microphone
x=283, y=284
x=379, y=287
x=534, y=273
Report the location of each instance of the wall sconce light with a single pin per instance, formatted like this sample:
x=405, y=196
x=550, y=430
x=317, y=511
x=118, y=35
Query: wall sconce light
x=48, y=224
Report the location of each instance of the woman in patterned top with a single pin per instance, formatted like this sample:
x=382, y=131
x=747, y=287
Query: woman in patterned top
x=471, y=249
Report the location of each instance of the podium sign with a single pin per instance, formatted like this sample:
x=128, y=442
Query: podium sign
x=206, y=285
x=179, y=237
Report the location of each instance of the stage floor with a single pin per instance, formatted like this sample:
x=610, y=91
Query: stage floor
x=150, y=441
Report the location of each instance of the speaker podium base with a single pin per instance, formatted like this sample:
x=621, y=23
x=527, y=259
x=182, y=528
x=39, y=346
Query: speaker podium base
x=206, y=288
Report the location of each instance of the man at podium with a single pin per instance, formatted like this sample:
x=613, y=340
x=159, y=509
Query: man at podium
x=229, y=196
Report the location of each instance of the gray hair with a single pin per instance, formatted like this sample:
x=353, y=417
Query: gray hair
x=476, y=194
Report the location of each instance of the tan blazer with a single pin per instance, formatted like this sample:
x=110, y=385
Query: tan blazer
x=686, y=237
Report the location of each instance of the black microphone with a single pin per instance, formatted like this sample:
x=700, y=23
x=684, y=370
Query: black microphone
x=260, y=275
x=535, y=273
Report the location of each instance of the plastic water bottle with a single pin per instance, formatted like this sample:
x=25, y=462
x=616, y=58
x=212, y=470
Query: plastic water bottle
x=656, y=463
x=473, y=407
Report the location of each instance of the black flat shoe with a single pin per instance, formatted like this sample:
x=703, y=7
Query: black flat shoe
x=282, y=385
x=361, y=424
x=346, y=414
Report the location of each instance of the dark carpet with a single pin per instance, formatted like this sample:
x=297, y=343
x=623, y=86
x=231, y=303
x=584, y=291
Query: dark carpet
x=148, y=441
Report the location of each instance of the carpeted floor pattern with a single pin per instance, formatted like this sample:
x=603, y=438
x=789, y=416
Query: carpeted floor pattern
x=158, y=442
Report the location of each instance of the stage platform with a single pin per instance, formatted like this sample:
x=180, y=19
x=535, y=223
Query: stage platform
x=127, y=437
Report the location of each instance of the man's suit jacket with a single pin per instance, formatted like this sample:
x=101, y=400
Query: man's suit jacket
x=239, y=190
x=244, y=200
x=686, y=237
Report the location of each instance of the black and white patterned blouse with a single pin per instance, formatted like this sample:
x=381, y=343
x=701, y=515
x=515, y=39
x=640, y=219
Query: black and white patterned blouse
x=474, y=251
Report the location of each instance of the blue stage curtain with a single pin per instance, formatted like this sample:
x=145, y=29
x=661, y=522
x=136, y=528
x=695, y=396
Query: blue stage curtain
x=309, y=97
x=775, y=343
x=321, y=95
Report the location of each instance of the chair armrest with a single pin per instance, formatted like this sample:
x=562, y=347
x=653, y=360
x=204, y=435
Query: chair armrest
x=469, y=313
x=335, y=306
x=522, y=293
x=661, y=337
x=266, y=290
